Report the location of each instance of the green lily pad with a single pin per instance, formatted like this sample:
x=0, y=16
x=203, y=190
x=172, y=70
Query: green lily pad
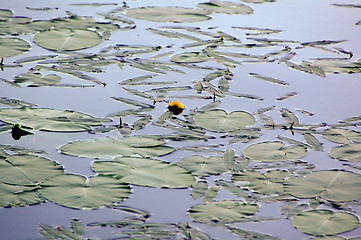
x=13, y=195
x=145, y=172
x=13, y=46
x=109, y=148
x=24, y=169
x=5, y=14
x=168, y=14
x=79, y=192
x=325, y=222
x=226, y=7
x=67, y=39
x=274, y=151
x=340, y=135
x=269, y=182
x=190, y=57
x=222, y=211
x=332, y=185
x=37, y=79
x=203, y=166
x=219, y=120
x=338, y=66
x=347, y=152
x=49, y=119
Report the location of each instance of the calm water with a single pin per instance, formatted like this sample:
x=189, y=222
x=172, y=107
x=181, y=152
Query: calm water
x=331, y=99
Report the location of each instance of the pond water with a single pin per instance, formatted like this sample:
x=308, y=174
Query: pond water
x=248, y=83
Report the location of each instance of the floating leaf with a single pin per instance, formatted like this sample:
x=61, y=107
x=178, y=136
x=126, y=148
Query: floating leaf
x=12, y=46
x=37, y=79
x=340, y=135
x=289, y=116
x=247, y=233
x=132, y=102
x=5, y=14
x=226, y=7
x=13, y=195
x=145, y=172
x=199, y=188
x=211, y=193
x=203, y=166
x=222, y=211
x=229, y=186
x=67, y=39
x=347, y=152
x=49, y=119
x=332, y=185
x=110, y=147
x=190, y=57
x=24, y=169
x=310, y=139
x=269, y=79
x=15, y=102
x=286, y=96
x=274, y=151
x=325, y=222
x=219, y=120
x=168, y=14
x=76, y=226
x=79, y=192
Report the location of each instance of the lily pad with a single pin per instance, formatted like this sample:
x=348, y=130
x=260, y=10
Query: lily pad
x=190, y=57
x=24, y=169
x=79, y=192
x=168, y=14
x=274, y=151
x=49, y=119
x=332, y=185
x=12, y=195
x=67, y=39
x=347, y=152
x=145, y=172
x=109, y=147
x=340, y=135
x=5, y=14
x=226, y=7
x=37, y=79
x=203, y=166
x=219, y=120
x=13, y=46
x=325, y=222
x=222, y=211
x=338, y=66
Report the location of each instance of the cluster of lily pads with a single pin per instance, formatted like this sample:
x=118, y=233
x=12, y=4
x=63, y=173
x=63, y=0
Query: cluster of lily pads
x=317, y=201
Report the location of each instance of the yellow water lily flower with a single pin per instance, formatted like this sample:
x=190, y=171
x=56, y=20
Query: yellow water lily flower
x=175, y=107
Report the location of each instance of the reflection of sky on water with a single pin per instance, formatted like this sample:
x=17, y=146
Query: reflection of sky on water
x=331, y=99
